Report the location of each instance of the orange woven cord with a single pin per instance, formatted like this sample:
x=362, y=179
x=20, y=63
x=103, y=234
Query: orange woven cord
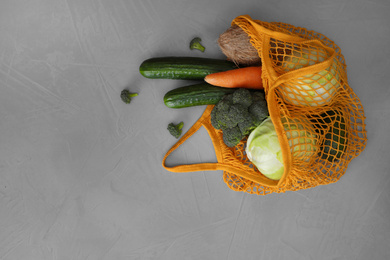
x=188, y=134
x=227, y=160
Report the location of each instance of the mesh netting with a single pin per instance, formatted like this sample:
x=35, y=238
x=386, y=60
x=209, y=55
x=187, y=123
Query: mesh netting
x=317, y=116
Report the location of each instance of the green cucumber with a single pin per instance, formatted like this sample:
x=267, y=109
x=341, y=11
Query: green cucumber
x=192, y=68
x=335, y=141
x=195, y=95
x=332, y=124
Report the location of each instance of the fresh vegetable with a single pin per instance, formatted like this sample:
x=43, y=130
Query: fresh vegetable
x=248, y=77
x=126, y=96
x=302, y=141
x=195, y=95
x=332, y=124
x=232, y=136
x=232, y=115
x=236, y=44
x=258, y=108
x=314, y=89
x=175, y=130
x=242, y=97
x=196, y=45
x=193, y=68
x=335, y=141
x=264, y=151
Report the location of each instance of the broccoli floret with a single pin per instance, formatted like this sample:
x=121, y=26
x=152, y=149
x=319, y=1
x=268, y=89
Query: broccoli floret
x=126, y=96
x=196, y=45
x=232, y=136
x=222, y=119
x=258, y=96
x=249, y=124
x=220, y=115
x=225, y=120
x=225, y=103
x=213, y=118
x=175, y=130
x=259, y=109
x=243, y=97
x=238, y=113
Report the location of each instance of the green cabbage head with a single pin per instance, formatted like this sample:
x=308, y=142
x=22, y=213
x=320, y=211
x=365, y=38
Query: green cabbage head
x=264, y=151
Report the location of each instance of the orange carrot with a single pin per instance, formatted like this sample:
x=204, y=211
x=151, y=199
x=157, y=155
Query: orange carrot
x=248, y=77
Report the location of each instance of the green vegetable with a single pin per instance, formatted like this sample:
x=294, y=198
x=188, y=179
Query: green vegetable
x=232, y=136
x=193, y=68
x=332, y=123
x=196, y=45
x=231, y=114
x=195, y=95
x=264, y=151
x=175, y=130
x=126, y=96
x=334, y=146
x=243, y=97
x=259, y=110
x=225, y=103
x=313, y=89
x=249, y=124
x=301, y=141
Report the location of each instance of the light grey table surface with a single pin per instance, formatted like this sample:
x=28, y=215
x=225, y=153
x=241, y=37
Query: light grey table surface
x=80, y=171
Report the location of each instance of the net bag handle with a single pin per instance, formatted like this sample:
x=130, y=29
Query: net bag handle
x=204, y=121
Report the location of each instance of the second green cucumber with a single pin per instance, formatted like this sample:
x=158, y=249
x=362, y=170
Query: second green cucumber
x=195, y=95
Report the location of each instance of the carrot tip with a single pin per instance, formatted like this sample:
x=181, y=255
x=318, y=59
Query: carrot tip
x=248, y=77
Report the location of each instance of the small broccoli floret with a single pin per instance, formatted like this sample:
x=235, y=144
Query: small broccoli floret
x=126, y=96
x=175, y=130
x=213, y=118
x=196, y=45
x=225, y=120
x=258, y=96
x=259, y=109
x=238, y=113
x=249, y=124
x=243, y=97
x=225, y=103
x=232, y=136
x=220, y=116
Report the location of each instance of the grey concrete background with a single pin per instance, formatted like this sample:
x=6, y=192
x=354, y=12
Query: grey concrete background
x=80, y=171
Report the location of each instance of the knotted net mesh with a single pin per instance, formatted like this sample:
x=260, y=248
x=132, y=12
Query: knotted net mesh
x=318, y=118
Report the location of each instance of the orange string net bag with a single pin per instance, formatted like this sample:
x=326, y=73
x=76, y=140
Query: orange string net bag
x=305, y=82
